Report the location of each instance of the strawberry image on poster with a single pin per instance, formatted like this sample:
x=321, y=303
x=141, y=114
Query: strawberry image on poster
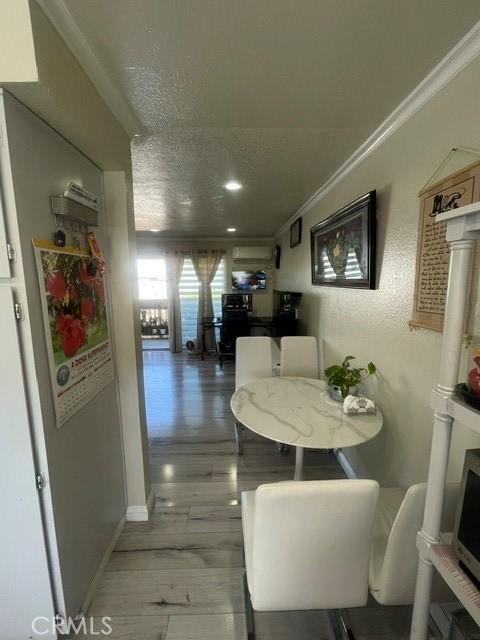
x=75, y=297
x=56, y=285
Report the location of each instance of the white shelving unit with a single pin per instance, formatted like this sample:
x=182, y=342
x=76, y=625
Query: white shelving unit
x=446, y=563
x=463, y=229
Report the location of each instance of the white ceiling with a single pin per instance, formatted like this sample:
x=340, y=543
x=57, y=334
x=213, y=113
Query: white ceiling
x=273, y=93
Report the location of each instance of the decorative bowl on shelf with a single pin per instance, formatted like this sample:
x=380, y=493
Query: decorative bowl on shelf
x=467, y=396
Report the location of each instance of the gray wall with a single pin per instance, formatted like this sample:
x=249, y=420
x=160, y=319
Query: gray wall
x=84, y=457
x=373, y=325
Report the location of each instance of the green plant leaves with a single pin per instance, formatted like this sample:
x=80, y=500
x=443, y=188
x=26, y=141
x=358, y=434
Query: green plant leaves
x=344, y=377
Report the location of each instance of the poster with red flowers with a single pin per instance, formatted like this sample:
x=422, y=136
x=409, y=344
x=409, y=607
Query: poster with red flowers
x=76, y=326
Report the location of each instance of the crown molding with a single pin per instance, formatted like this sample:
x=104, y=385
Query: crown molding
x=466, y=50
x=63, y=21
x=158, y=238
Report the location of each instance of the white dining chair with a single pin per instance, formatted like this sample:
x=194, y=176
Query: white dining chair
x=307, y=545
x=299, y=356
x=394, y=557
x=253, y=360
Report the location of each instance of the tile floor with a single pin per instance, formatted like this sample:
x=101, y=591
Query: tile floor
x=178, y=576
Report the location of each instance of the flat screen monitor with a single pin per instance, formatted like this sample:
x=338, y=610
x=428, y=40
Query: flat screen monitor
x=466, y=534
x=469, y=526
x=237, y=301
x=249, y=280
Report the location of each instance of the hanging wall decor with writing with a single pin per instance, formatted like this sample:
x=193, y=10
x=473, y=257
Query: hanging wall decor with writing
x=433, y=256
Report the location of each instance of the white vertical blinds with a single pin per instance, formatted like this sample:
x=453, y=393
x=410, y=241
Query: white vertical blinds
x=188, y=289
x=218, y=287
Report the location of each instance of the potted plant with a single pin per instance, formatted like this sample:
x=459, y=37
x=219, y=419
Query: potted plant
x=343, y=380
x=163, y=327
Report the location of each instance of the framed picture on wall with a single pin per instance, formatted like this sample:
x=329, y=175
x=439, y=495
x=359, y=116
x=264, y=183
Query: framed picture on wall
x=277, y=254
x=295, y=233
x=343, y=246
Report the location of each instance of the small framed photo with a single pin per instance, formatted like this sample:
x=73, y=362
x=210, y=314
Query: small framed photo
x=343, y=246
x=295, y=233
x=277, y=254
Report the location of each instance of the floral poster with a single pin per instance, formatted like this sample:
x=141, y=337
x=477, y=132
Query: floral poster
x=76, y=327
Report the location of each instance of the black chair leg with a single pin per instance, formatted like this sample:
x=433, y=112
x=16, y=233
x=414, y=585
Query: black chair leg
x=341, y=625
x=249, y=617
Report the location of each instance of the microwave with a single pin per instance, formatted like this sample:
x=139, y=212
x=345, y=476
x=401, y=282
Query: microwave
x=466, y=533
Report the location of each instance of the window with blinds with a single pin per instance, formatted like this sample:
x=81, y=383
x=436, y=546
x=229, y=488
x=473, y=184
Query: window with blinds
x=188, y=289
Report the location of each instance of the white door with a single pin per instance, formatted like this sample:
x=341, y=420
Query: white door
x=25, y=592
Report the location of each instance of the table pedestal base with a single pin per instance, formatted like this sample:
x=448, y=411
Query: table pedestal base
x=298, y=463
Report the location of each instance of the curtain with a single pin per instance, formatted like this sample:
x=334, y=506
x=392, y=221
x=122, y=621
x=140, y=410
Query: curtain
x=206, y=264
x=174, y=262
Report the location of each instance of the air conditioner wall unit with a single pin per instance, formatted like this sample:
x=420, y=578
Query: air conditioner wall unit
x=252, y=253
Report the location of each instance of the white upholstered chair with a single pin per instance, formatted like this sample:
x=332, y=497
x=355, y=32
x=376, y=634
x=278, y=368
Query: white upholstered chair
x=253, y=360
x=299, y=356
x=307, y=545
x=394, y=557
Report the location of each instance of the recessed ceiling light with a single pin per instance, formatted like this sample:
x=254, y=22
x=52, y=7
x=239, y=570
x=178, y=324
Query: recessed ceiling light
x=233, y=185
x=154, y=230
x=231, y=229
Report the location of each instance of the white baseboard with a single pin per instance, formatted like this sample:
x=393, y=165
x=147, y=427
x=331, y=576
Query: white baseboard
x=141, y=512
x=137, y=513
x=106, y=557
x=346, y=466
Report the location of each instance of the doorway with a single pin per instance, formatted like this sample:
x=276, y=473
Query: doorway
x=152, y=289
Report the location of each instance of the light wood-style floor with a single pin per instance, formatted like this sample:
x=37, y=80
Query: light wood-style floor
x=178, y=577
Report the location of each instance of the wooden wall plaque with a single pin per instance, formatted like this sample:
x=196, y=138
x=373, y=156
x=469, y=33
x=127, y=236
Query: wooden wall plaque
x=433, y=256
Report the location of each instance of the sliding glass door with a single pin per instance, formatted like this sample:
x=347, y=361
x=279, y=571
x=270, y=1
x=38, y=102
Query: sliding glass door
x=189, y=289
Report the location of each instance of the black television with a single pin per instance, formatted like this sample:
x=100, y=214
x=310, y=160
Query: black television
x=249, y=280
x=466, y=532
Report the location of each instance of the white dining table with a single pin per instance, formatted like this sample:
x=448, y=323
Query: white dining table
x=300, y=412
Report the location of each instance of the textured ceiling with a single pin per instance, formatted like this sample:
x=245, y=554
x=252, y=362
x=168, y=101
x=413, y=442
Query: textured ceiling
x=272, y=93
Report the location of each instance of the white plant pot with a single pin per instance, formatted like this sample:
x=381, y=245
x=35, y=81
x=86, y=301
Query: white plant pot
x=336, y=394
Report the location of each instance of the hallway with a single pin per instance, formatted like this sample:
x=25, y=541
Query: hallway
x=178, y=577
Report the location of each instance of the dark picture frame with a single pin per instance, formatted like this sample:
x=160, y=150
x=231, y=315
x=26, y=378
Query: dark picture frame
x=343, y=246
x=295, y=233
x=277, y=254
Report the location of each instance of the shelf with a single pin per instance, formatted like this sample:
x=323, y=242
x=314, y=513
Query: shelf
x=446, y=563
x=462, y=223
x=462, y=229
x=457, y=409
x=464, y=414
